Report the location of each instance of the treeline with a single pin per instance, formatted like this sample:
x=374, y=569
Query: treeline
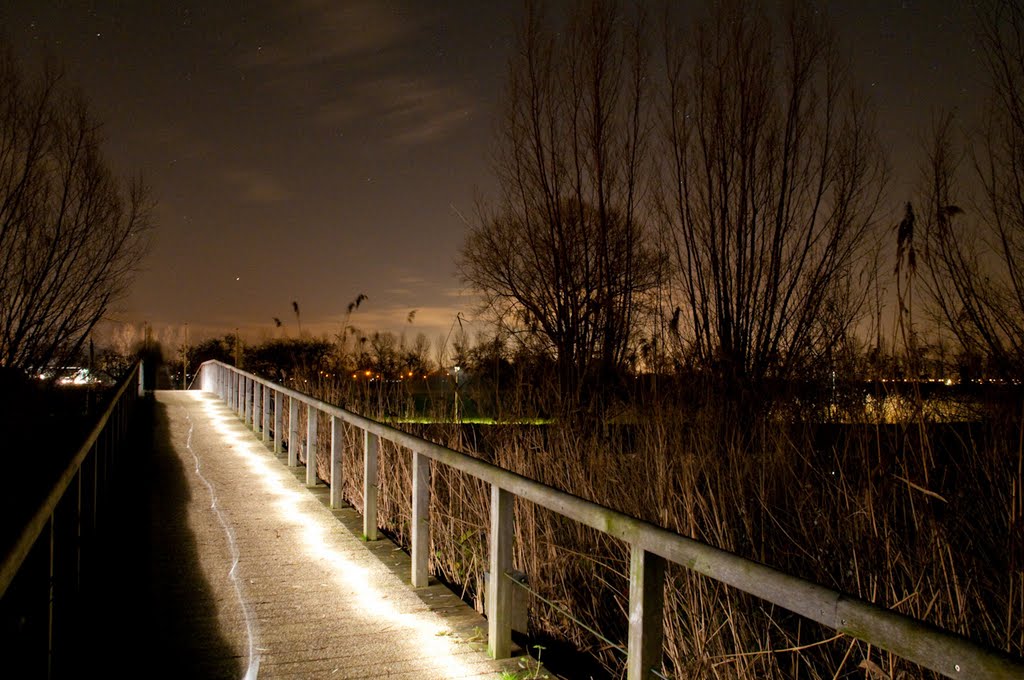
x=709, y=195
x=706, y=196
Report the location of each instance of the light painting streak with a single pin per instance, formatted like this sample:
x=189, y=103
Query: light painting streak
x=431, y=637
x=253, y=669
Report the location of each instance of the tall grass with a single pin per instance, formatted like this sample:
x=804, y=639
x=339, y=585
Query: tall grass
x=921, y=517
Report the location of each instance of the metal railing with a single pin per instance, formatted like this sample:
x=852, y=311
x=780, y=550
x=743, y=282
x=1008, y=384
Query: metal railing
x=41, y=577
x=650, y=546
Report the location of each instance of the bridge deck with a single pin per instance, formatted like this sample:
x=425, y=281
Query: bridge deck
x=252, y=575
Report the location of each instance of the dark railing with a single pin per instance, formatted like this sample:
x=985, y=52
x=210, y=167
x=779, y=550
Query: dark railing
x=650, y=546
x=41, y=577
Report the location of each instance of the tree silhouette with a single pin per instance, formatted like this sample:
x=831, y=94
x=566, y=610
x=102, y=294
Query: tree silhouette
x=563, y=261
x=975, y=259
x=772, y=174
x=71, y=233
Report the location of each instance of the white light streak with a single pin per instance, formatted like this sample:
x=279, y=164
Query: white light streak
x=253, y=669
x=422, y=629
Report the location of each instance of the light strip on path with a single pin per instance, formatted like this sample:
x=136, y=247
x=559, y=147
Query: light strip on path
x=253, y=669
x=432, y=639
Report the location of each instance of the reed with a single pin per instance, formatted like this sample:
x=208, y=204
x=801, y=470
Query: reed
x=919, y=516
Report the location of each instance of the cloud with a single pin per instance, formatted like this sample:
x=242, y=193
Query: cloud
x=339, y=112
x=177, y=142
x=460, y=293
x=328, y=31
x=349, y=62
x=255, y=186
x=415, y=110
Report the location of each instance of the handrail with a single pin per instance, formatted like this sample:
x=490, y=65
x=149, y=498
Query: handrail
x=48, y=572
x=13, y=560
x=650, y=546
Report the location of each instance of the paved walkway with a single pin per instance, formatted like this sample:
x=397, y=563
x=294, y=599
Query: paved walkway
x=252, y=575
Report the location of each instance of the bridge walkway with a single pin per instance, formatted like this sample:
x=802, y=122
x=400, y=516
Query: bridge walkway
x=247, y=573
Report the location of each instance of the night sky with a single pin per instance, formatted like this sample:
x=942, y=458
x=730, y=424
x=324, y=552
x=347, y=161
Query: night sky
x=312, y=150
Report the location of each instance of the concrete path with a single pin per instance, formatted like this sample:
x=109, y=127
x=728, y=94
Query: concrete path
x=253, y=576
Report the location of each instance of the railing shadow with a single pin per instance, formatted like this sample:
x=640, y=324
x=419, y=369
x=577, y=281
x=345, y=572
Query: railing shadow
x=156, y=612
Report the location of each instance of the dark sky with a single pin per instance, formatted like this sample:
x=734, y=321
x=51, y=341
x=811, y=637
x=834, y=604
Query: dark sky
x=311, y=150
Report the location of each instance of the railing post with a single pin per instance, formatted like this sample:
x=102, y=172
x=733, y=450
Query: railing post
x=248, y=401
x=64, y=579
x=646, y=604
x=266, y=412
x=240, y=397
x=142, y=381
x=293, y=432
x=257, y=411
x=52, y=587
x=499, y=587
x=311, y=415
x=370, y=446
x=95, y=484
x=278, y=419
x=420, y=519
x=337, y=447
x=254, y=404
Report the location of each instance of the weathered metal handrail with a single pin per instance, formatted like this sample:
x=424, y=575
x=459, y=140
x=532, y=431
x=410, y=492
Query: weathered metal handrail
x=65, y=523
x=650, y=546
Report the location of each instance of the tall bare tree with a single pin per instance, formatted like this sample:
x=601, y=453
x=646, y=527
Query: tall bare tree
x=71, y=234
x=564, y=257
x=772, y=177
x=975, y=237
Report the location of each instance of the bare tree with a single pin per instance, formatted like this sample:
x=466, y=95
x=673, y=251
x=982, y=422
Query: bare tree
x=954, y=276
x=71, y=234
x=975, y=242
x=772, y=178
x=563, y=259
x=972, y=210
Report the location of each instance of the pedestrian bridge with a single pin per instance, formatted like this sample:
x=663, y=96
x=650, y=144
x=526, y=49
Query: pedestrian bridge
x=187, y=538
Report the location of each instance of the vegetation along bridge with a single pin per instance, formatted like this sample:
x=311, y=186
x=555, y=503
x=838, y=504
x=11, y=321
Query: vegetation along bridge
x=191, y=540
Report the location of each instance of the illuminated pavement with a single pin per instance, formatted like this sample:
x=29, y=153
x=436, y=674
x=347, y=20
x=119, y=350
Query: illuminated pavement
x=272, y=583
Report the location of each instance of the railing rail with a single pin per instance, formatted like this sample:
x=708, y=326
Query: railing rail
x=651, y=546
x=42, y=571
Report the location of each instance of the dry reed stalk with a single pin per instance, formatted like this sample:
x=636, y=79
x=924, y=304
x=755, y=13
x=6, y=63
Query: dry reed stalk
x=923, y=518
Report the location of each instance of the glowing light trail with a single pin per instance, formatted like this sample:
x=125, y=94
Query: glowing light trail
x=318, y=531
x=253, y=669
